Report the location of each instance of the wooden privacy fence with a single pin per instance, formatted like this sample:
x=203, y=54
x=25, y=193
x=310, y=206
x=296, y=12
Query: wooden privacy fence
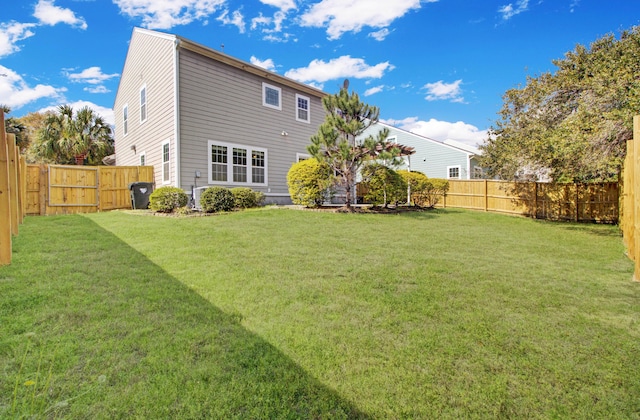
x=630, y=214
x=58, y=189
x=597, y=202
x=12, y=191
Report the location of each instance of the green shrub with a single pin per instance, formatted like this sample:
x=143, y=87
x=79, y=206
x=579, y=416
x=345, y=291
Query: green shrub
x=167, y=199
x=425, y=192
x=216, y=199
x=310, y=182
x=436, y=189
x=384, y=185
x=246, y=198
x=417, y=181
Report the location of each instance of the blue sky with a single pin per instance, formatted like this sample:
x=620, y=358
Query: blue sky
x=435, y=67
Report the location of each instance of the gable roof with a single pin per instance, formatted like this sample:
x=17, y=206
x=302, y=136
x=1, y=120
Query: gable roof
x=219, y=56
x=444, y=144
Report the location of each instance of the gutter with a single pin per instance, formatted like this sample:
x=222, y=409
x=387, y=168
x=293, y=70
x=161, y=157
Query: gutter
x=176, y=110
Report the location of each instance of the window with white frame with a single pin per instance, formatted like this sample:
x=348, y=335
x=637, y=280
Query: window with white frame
x=218, y=163
x=125, y=119
x=237, y=164
x=143, y=104
x=302, y=156
x=258, y=166
x=478, y=173
x=271, y=96
x=453, y=172
x=143, y=159
x=303, y=112
x=166, y=163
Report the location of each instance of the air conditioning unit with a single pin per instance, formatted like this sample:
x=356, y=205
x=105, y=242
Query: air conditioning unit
x=196, y=193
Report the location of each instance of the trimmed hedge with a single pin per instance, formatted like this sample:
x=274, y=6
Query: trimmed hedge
x=310, y=182
x=246, y=198
x=217, y=199
x=167, y=199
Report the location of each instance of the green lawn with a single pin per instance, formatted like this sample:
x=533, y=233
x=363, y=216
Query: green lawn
x=279, y=313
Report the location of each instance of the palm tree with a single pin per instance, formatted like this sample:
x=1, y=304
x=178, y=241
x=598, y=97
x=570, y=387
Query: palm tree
x=66, y=137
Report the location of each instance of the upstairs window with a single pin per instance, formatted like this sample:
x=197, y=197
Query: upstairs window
x=143, y=104
x=125, y=119
x=271, y=96
x=302, y=109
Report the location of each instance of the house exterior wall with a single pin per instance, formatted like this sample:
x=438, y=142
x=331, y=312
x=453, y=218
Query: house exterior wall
x=150, y=63
x=197, y=97
x=223, y=104
x=431, y=157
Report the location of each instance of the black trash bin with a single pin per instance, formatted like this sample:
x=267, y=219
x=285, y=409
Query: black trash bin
x=140, y=192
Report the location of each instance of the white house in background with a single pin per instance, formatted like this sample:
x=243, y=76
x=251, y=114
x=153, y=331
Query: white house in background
x=202, y=118
x=435, y=159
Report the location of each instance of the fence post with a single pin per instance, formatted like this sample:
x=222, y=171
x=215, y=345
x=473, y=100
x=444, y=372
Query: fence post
x=13, y=181
x=23, y=187
x=628, y=210
x=636, y=197
x=5, y=204
x=577, y=202
x=535, y=199
x=43, y=194
x=486, y=196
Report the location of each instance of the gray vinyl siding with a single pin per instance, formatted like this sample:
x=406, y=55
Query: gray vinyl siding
x=150, y=62
x=431, y=157
x=222, y=103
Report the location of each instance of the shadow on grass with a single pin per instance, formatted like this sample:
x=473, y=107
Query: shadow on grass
x=122, y=338
x=598, y=229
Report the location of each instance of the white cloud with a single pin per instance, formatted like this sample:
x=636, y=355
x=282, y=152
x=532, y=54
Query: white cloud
x=265, y=22
x=15, y=92
x=573, y=5
x=340, y=17
x=91, y=75
x=165, y=14
x=508, y=11
x=320, y=71
x=106, y=113
x=267, y=64
x=97, y=89
x=373, y=90
x=49, y=14
x=442, y=130
x=283, y=5
x=440, y=91
x=380, y=35
x=11, y=33
x=236, y=19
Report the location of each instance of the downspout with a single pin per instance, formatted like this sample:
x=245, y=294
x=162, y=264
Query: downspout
x=176, y=110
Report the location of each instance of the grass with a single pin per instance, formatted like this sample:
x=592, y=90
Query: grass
x=287, y=314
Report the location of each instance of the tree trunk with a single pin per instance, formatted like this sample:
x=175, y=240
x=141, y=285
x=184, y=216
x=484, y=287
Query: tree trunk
x=80, y=159
x=349, y=184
